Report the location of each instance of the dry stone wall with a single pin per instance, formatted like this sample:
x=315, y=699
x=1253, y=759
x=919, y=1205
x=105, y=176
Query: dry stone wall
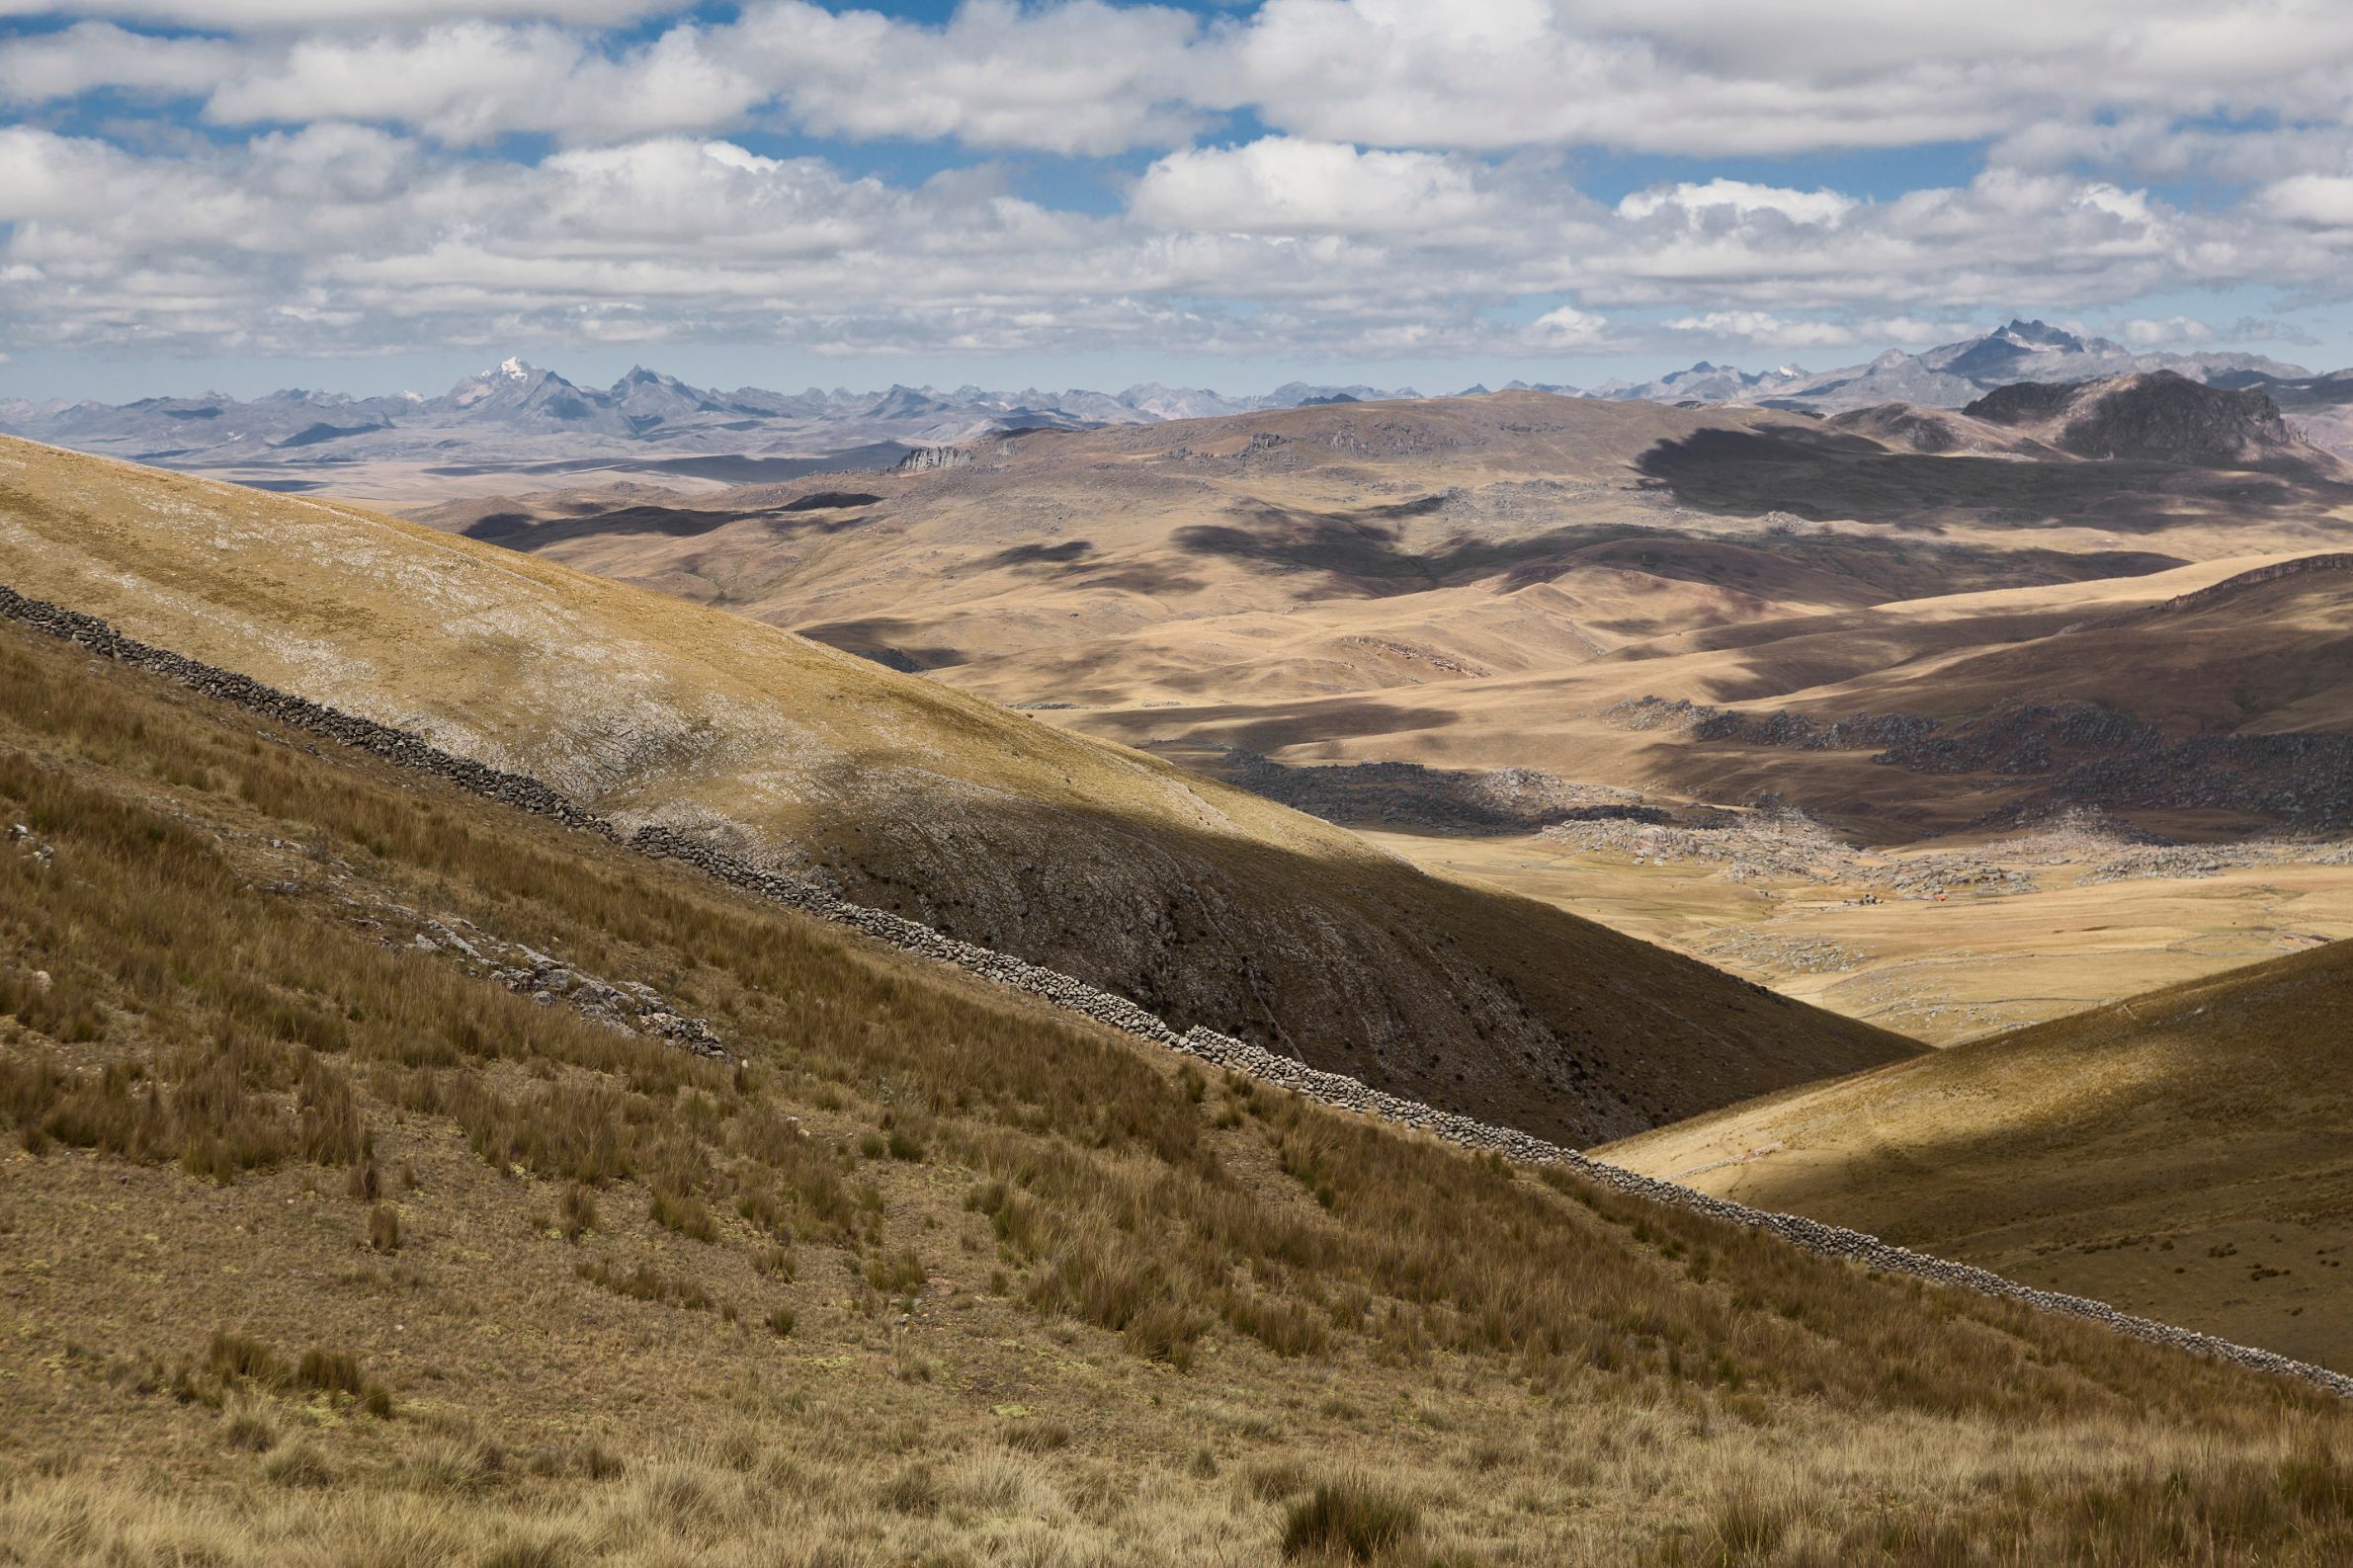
x=1219, y=1050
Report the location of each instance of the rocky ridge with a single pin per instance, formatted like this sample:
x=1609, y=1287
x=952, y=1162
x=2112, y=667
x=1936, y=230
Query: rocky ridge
x=1333, y=1089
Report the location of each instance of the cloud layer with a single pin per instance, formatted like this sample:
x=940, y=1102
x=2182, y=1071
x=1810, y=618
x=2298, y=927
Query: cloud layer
x=1360, y=178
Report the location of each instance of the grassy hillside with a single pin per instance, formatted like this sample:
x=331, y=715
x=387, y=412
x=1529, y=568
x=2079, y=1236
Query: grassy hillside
x=1495, y=584
x=328, y=1241
x=2183, y=1154
x=1206, y=903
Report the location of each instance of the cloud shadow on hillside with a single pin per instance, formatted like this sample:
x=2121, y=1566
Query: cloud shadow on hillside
x=1829, y=474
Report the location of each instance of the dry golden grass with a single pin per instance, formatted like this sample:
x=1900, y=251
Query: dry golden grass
x=1940, y=973
x=1093, y=1308
x=2182, y=1154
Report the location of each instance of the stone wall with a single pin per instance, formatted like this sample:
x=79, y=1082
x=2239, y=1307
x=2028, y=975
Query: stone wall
x=1332, y=1089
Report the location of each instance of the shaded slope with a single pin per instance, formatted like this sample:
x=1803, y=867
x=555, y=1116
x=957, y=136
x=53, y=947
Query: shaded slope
x=2162, y=416
x=321, y=1232
x=2184, y=1154
x=1204, y=903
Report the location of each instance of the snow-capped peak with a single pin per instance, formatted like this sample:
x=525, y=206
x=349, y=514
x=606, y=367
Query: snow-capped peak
x=514, y=369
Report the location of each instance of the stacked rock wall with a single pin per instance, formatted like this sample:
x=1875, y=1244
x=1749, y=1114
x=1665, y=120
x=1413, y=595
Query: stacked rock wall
x=1332, y=1089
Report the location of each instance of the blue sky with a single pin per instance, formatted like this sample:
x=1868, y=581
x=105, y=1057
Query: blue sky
x=370, y=195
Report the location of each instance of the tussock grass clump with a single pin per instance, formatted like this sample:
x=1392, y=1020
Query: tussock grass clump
x=383, y=1228
x=1351, y=1519
x=645, y=1282
x=236, y=1357
x=250, y=1425
x=455, y=1462
x=578, y=1214
x=684, y=1214
x=914, y=1489
x=897, y=1273
x=1036, y=1435
x=300, y=1463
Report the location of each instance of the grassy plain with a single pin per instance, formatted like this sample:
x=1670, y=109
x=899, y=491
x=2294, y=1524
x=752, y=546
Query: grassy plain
x=1940, y=971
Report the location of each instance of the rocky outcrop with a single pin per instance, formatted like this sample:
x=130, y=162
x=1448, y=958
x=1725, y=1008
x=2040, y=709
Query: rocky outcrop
x=1497, y=801
x=925, y=458
x=1075, y=996
x=2232, y=587
x=2162, y=417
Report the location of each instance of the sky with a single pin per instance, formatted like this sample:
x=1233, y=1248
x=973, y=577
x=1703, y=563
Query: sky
x=368, y=195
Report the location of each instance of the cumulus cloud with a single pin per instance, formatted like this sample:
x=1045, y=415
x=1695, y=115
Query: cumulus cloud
x=2139, y=83
x=1282, y=185
x=1701, y=77
x=234, y=15
x=1566, y=327
x=2317, y=200
x=46, y=67
x=455, y=80
x=1740, y=197
x=336, y=235
x=1362, y=176
x=2148, y=332
x=1766, y=330
x=1079, y=77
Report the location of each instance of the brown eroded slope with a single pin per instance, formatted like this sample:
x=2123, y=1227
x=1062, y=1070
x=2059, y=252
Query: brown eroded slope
x=2186, y=1154
x=1206, y=903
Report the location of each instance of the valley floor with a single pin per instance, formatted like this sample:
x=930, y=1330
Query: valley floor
x=2042, y=935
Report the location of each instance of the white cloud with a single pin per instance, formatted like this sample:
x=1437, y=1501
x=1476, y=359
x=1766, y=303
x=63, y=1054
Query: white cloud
x=1282, y=185
x=1766, y=330
x=1078, y=77
x=1391, y=210
x=1908, y=330
x=235, y=15
x=457, y=80
x=2319, y=200
x=338, y=235
x=2146, y=332
x=2137, y=83
x=1567, y=327
x=1704, y=76
x=1692, y=202
x=47, y=66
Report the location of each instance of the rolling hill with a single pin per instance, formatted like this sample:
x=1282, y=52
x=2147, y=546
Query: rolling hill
x=1204, y=903
x=362, y=1205
x=1689, y=606
x=2182, y=1152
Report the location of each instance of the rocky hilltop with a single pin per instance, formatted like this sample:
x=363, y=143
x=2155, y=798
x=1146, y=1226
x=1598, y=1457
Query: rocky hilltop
x=2160, y=416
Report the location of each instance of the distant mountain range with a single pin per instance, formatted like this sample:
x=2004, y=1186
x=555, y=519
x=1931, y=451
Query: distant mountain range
x=1948, y=377
x=519, y=417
